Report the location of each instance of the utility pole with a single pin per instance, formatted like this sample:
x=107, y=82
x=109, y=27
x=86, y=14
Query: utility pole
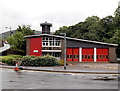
x=64, y=49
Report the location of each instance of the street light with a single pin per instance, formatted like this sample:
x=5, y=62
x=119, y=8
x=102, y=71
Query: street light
x=64, y=49
x=10, y=29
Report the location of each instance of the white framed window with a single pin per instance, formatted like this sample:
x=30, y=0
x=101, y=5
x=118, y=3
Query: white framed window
x=54, y=54
x=51, y=42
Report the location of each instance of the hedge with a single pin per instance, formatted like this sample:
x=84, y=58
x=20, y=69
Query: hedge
x=10, y=59
x=61, y=62
x=15, y=56
x=38, y=61
x=31, y=60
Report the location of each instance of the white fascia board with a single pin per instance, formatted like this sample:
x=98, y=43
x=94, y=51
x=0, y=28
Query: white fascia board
x=43, y=35
x=51, y=46
x=51, y=50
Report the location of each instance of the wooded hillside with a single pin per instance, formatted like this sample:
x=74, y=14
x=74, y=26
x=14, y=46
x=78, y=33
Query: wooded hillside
x=93, y=28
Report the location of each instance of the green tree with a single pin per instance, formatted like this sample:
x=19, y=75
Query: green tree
x=117, y=12
x=117, y=18
x=61, y=30
x=116, y=39
x=17, y=40
x=109, y=27
x=106, y=29
x=25, y=29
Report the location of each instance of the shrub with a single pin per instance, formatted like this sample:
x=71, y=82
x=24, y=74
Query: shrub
x=26, y=60
x=38, y=61
x=49, y=61
x=61, y=62
x=15, y=56
x=8, y=60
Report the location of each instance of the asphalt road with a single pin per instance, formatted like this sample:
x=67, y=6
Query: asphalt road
x=49, y=80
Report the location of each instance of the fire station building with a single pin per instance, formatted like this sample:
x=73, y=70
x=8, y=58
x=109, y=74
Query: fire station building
x=78, y=50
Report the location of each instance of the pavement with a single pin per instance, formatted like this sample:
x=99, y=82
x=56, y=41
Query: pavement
x=92, y=68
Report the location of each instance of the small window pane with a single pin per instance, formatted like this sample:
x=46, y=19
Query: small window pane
x=46, y=38
x=76, y=56
x=43, y=43
x=56, y=44
x=67, y=56
x=92, y=56
x=106, y=56
x=101, y=56
x=46, y=44
x=85, y=56
x=43, y=38
x=82, y=56
x=70, y=56
x=88, y=56
x=97, y=56
x=50, y=43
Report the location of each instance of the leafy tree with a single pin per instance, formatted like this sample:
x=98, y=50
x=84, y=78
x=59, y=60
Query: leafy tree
x=17, y=40
x=25, y=29
x=91, y=20
x=116, y=39
x=117, y=12
x=106, y=29
x=117, y=18
x=108, y=24
x=61, y=30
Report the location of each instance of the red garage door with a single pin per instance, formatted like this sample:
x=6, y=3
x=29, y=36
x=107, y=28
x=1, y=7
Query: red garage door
x=87, y=54
x=69, y=54
x=72, y=54
x=75, y=54
x=102, y=54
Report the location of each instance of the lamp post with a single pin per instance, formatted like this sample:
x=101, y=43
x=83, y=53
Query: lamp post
x=64, y=49
x=10, y=30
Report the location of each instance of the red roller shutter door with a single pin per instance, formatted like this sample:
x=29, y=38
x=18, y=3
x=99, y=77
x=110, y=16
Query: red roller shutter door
x=69, y=54
x=87, y=54
x=75, y=54
x=72, y=54
x=102, y=54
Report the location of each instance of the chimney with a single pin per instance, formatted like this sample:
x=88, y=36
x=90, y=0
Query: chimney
x=46, y=27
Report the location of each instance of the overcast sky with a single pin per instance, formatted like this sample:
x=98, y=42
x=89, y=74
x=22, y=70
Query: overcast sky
x=57, y=12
